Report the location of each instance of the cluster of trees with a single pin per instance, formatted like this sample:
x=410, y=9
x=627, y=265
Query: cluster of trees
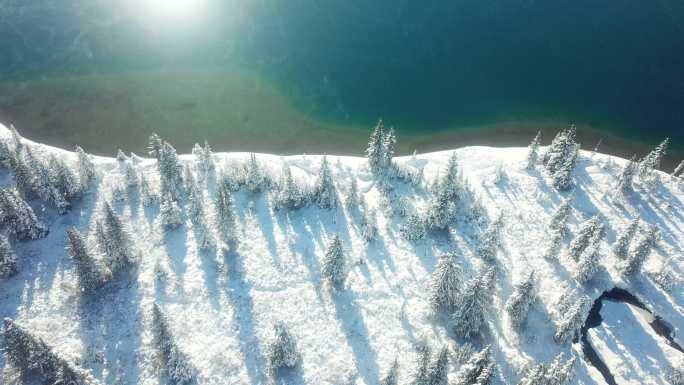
x=557, y=372
x=32, y=356
x=381, y=148
x=571, y=314
x=291, y=194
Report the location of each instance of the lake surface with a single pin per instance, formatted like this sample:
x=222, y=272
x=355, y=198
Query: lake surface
x=293, y=76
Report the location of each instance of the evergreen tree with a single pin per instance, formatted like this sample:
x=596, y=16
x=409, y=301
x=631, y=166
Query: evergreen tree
x=16, y=137
x=352, y=200
x=290, y=195
x=451, y=182
x=175, y=363
x=392, y=376
x=557, y=372
x=334, y=263
x=369, y=225
x=649, y=163
x=561, y=157
x=170, y=213
x=533, y=151
x=131, y=175
x=148, y=196
x=255, y=179
x=621, y=247
x=446, y=283
x=437, y=373
x=554, y=247
x=89, y=274
x=679, y=170
x=376, y=149
x=85, y=167
x=18, y=218
x=168, y=165
x=114, y=240
x=439, y=211
x=559, y=219
x=154, y=146
x=282, y=351
x=225, y=214
x=490, y=241
x=65, y=180
x=520, y=302
x=120, y=156
x=571, y=321
x=8, y=260
x=638, y=254
x=589, y=230
x=627, y=175
x=420, y=376
x=204, y=157
x=479, y=370
x=389, y=144
x=413, y=229
x=588, y=265
x=324, y=193
x=468, y=317
x=664, y=277
x=5, y=154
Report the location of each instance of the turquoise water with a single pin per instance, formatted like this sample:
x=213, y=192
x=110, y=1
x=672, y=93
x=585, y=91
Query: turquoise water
x=424, y=66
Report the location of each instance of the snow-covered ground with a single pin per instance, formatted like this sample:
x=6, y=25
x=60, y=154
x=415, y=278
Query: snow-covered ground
x=222, y=305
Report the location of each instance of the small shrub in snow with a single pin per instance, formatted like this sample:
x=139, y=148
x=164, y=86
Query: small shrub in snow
x=114, y=240
x=446, y=284
x=571, y=320
x=8, y=260
x=413, y=229
x=392, y=376
x=591, y=229
x=334, y=263
x=170, y=213
x=282, y=350
x=174, y=362
x=638, y=254
x=621, y=247
x=90, y=277
x=225, y=214
x=17, y=217
x=520, y=302
x=479, y=370
x=533, y=151
x=468, y=318
x=324, y=193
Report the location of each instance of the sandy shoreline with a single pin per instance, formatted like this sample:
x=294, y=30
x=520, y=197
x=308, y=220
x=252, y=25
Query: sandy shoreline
x=236, y=111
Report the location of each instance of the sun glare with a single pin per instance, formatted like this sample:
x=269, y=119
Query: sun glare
x=174, y=10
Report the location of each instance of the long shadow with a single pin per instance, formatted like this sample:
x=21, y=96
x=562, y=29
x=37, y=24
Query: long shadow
x=175, y=244
x=290, y=376
x=210, y=269
x=356, y=333
x=238, y=292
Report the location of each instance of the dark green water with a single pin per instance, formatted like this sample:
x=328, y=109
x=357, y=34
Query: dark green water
x=424, y=66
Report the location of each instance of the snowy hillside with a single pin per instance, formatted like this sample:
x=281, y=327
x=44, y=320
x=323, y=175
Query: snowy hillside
x=222, y=275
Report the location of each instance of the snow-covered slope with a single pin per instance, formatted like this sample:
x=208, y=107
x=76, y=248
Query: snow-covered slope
x=222, y=305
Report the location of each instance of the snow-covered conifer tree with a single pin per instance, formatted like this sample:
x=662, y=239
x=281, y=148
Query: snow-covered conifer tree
x=334, y=269
x=255, y=179
x=282, y=350
x=389, y=144
x=86, y=168
x=169, y=167
x=627, y=176
x=571, y=320
x=520, y=302
x=131, y=174
x=437, y=373
x=8, y=260
x=65, y=180
x=352, y=200
x=479, y=370
x=16, y=137
x=420, y=374
x=664, y=277
x=649, y=163
x=621, y=247
x=203, y=157
x=18, y=218
x=90, y=277
x=679, y=170
x=170, y=213
x=490, y=241
x=290, y=195
x=559, y=219
x=324, y=193
x=120, y=156
x=5, y=154
x=589, y=230
x=175, y=363
x=557, y=372
x=439, y=209
x=446, y=282
x=414, y=228
x=114, y=240
x=225, y=214
x=369, y=224
x=638, y=254
x=588, y=265
x=533, y=151
x=561, y=157
x=554, y=246
x=451, y=182
x=376, y=149
x=392, y=376
x=468, y=317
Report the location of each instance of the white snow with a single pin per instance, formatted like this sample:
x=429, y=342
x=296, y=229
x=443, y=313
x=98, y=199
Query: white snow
x=222, y=306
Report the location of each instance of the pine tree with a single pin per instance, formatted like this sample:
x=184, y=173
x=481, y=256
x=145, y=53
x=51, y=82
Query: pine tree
x=446, y=283
x=554, y=246
x=225, y=214
x=588, y=265
x=559, y=219
x=627, y=176
x=413, y=229
x=621, y=247
x=451, y=182
x=203, y=157
x=282, y=350
x=561, y=157
x=120, y=156
x=557, y=372
x=649, y=163
x=439, y=211
x=392, y=376
x=369, y=225
x=437, y=373
x=389, y=144
x=170, y=213
x=255, y=180
x=131, y=175
x=520, y=302
x=468, y=317
x=352, y=200
x=18, y=218
x=334, y=263
x=479, y=370
x=420, y=375
x=8, y=259
x=664, y=277
x=324, y=193
x=679, y=170
x=533, y=151
x=490, y=241
x=89, y=274
x=175, y=363
x=5, y=154
x=571, y=321
x=114, y=240
x=16, y=137
x=375, y=151
x=590, y=229
x=85, y=167
x=638, y=254
x=290, y=195
x=65, y=180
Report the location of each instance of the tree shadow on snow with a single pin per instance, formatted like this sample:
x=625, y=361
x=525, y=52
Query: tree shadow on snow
x=175, y=245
